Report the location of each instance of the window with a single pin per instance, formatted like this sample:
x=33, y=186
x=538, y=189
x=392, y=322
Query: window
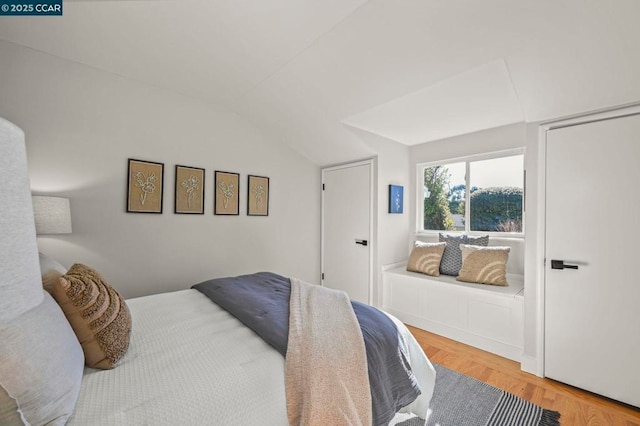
x=484, y=194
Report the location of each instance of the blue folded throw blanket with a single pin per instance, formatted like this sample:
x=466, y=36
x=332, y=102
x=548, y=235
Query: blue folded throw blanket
x=261, y=302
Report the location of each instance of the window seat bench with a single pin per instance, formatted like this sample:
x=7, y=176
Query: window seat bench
x=485, y=316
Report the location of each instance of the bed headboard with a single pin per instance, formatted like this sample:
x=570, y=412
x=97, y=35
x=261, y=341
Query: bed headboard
x=41, y=361
x=20, y=284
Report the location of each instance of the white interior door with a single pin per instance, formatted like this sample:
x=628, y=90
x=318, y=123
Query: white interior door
x=346, y=229
x=592, y=324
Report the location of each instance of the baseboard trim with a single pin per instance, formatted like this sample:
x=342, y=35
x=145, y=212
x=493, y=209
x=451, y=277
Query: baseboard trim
x=529, y=364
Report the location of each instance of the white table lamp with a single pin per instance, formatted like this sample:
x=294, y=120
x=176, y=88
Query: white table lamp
x=52, y=215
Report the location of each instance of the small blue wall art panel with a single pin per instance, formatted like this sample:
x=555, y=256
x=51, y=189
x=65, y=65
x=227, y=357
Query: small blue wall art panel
x=396, y=198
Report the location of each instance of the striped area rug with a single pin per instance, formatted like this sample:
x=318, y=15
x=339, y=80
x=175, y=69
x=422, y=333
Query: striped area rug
x=460, y=400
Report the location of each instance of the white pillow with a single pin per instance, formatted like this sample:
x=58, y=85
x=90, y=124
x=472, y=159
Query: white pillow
x=47, y=264
x=51, y=271
x=41, y=366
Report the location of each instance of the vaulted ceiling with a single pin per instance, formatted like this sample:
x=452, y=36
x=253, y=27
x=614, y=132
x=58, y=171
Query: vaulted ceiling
x=412, y=71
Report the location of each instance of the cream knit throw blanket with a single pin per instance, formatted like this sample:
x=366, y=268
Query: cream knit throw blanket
x=326, y=375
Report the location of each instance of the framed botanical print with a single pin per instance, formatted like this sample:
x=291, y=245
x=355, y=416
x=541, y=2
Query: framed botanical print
x=145, y=186
x=189, y=190
x=226, y=191
x=258, y=196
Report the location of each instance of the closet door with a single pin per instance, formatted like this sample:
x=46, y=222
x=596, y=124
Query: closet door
x=346, y=229
x=592, y=275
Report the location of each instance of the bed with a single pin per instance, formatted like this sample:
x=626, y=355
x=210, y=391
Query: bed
x=188, y=361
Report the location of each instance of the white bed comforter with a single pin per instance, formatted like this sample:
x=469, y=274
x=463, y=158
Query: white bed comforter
x=191, y=362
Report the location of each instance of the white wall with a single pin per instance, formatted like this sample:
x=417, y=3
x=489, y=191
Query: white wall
x=492, y=140
x=392, y=168
x=82, y=124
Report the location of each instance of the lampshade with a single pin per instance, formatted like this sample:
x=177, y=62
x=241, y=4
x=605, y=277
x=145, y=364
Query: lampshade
x=52, y=215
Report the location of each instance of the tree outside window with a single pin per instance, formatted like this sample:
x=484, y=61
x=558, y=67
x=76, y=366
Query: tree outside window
x=495, y=197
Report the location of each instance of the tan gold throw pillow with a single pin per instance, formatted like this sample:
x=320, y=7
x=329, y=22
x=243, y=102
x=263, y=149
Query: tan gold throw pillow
x=425, y=258
x=484, y=265
x=97, y=313
x=50, y=279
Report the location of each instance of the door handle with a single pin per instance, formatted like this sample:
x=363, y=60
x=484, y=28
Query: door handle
x=362, y=242
x=559, y=264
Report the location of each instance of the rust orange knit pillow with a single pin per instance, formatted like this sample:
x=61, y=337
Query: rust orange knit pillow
x=97, y=313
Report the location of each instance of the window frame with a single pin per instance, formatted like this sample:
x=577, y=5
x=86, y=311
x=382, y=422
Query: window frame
x=467, y=214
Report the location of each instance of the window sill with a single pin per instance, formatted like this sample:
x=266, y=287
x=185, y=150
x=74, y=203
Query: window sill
x=505, y=235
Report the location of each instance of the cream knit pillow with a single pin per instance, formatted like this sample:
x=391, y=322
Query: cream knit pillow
x=425, y=258
x=484, y=265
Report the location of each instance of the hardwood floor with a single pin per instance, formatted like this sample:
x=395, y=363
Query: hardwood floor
x=576, y=406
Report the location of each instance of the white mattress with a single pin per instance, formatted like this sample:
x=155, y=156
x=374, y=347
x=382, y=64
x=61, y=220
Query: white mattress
x=191, y=362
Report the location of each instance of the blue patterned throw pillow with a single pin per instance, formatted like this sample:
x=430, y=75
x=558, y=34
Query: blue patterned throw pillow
x=477, y=241
x=452, y=258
